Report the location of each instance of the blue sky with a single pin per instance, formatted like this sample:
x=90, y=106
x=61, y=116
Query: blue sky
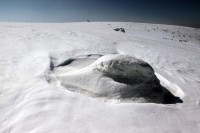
x=155, y=11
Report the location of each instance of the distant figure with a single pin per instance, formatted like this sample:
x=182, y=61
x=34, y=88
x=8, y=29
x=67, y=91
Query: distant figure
x=88, y=20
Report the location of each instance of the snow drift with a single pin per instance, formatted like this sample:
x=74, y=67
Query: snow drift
x=119, y=77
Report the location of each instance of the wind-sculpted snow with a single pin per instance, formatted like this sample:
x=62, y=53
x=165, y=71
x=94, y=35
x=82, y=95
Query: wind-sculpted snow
x=69, y=61
x=124, y=67
x=54, y=78
x=120, y=77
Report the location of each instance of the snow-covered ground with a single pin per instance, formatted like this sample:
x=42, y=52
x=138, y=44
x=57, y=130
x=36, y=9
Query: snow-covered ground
x=33, y=98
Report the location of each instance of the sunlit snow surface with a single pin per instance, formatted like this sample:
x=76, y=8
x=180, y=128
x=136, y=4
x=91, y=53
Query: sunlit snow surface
x=33, y=99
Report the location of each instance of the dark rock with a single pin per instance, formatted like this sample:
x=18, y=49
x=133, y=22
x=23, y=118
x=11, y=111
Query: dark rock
x=120, y=29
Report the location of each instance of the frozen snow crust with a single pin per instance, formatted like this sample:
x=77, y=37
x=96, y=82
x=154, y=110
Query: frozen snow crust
x=120, y=77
